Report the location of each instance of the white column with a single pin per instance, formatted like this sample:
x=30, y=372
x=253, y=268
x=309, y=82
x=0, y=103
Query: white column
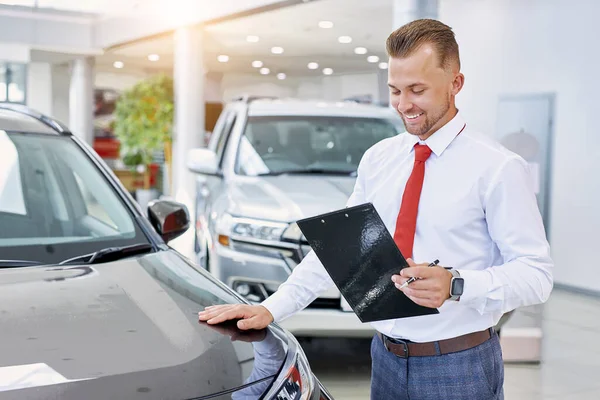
x=189, y=108
x=61, y=83
x=189, y=76
x=81, y=99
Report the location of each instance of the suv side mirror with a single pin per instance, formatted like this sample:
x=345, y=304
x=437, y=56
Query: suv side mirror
x=170, y=219
x=203, y=161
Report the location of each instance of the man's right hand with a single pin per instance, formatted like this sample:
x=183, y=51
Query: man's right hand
x=250, y=317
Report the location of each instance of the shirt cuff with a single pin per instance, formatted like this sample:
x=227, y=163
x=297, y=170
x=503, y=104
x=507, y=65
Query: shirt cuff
x=278, y=305
x=476, y=288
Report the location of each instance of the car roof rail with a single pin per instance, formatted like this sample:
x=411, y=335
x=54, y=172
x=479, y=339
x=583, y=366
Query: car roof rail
x=250, y=98
x=49, y=122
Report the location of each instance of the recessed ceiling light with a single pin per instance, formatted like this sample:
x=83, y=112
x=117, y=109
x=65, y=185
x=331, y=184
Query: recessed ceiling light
x=277, y=50
x=223, y=58
x=265, y=71
x=373, y=59
x=257, y=64
x=313, y=65
x=327, y=71
x=153, y=57
x=118, y=64
x=345, y=39
x=252, y=38
x=383, y=65
x=325, y=24
x=281, y=76
x=360, y=50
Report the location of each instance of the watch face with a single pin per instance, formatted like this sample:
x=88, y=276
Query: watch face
x=458, y=285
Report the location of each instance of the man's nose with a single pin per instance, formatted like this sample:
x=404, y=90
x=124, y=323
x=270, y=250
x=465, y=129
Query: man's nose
x=404, y=105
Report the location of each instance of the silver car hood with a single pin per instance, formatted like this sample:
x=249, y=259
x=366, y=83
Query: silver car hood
x=288, y=198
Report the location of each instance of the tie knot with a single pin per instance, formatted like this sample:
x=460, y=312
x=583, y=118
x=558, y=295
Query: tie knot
x=422, y=152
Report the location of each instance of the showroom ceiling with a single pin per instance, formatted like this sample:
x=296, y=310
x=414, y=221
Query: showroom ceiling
x=99, y=8
x=325, y=32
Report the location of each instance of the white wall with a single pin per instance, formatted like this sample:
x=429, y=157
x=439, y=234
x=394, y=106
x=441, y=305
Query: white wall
x=350, y=85
x=39, y=87
x=212, y=88
x=14, y=52
x=543, y=46
x=331, y=88
x=117, y=80
x=233, y=85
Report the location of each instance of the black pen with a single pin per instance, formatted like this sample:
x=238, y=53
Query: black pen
x=411, y=280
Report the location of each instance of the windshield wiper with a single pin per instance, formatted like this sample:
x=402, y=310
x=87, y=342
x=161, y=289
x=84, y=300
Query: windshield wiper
x=309, y=171
x=18, y=263
x=109, y=254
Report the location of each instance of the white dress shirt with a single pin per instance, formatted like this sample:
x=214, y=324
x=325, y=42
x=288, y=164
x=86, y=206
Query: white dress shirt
x=477, y=213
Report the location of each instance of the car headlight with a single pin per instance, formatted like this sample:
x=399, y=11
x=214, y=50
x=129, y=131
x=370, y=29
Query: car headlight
x=293, y=233
x=248, y=228
x=298, y=382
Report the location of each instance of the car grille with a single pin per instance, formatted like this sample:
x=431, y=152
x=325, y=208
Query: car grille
x=292, y=256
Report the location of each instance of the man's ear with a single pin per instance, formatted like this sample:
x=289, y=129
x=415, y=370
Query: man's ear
x=458, y=83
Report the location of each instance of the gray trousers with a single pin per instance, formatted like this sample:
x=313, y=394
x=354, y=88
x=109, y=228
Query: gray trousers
x=473, y=374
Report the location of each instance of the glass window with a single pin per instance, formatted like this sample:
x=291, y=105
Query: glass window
x=13, y=81
x=11, y=187
x=93, y=208
x=57, y=202
x=224, y=137
x=273, y=145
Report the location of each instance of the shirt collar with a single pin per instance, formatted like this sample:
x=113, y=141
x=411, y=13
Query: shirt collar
x=441, y=139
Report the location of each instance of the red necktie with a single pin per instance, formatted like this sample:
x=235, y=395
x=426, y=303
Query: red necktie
x=406, y=223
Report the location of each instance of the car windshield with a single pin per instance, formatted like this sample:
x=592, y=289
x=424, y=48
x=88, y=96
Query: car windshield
x=54, y=202
x=307, y=144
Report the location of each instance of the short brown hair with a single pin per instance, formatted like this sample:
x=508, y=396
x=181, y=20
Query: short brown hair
x=408, y=38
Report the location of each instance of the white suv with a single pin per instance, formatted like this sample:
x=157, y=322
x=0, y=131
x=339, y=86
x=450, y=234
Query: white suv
x=269, y=163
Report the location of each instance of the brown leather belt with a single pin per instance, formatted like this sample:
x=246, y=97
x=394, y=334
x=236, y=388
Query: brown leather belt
x=405, y=349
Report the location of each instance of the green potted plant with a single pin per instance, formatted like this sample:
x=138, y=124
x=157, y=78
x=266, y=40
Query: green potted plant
x=143, y=124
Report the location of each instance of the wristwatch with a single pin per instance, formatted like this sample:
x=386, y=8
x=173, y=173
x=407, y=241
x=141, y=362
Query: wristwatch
x=457, y=285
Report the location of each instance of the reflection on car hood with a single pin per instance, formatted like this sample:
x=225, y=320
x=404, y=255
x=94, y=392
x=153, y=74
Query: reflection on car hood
x=126, y=329
x=289, y=197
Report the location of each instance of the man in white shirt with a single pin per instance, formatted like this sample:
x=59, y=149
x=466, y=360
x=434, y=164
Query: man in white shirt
x=445, y=192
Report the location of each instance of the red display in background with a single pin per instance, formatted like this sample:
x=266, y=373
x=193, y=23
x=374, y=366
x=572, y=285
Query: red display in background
x=107, y=147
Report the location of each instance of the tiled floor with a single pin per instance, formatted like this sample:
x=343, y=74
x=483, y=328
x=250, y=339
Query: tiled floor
x=570, y=368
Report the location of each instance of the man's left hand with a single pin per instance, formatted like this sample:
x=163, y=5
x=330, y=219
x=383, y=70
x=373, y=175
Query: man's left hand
x=432, y=288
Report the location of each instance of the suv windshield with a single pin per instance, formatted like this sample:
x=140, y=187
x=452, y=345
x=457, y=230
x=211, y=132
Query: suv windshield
x=55, y=204
x=307, y=144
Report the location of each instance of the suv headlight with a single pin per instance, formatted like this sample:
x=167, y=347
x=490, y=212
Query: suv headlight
x=249, y=228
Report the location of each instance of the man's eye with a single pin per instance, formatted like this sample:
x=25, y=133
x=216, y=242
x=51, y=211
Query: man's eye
x=418, y=91
x=395, y=92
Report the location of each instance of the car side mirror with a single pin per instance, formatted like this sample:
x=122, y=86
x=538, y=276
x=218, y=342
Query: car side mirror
x=169, y=218
x=203, y=161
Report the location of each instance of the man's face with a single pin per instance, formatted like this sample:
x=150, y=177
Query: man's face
x=422, y=91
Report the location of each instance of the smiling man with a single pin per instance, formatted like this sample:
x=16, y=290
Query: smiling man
x=449, y=193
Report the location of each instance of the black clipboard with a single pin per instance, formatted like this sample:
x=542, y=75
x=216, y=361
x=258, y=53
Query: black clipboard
x=361, y=256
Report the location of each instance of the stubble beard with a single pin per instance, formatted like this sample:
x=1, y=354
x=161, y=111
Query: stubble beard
x=430, y=121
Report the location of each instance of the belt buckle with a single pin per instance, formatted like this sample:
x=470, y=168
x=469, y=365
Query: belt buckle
x=397, y=341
